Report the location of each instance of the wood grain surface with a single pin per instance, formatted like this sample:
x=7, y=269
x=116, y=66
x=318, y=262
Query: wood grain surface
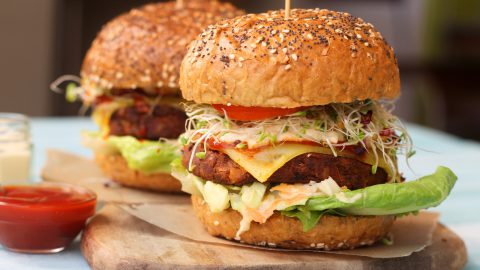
x=116, y=240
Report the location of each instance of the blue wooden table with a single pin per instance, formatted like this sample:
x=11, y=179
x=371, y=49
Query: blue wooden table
x=460, y=211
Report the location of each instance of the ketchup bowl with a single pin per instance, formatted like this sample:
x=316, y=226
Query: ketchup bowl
x=43, y=217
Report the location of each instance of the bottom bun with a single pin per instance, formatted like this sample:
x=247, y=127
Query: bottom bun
x=116, y=168
x=331, y=233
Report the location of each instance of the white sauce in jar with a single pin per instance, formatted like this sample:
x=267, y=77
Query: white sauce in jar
x=15, y=148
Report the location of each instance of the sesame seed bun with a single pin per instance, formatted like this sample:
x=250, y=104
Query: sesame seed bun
x=115, y=167
x=144, y=48
x=315, y=57
x=331, y=233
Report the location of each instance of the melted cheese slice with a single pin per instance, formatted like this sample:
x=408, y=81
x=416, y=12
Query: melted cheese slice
x=103, y=112
x=267, y=161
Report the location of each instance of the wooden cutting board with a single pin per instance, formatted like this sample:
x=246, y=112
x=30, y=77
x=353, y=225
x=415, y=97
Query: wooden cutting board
x=116, y=240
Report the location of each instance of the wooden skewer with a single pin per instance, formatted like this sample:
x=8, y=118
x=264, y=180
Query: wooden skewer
x=287, y=8
x=179, y=4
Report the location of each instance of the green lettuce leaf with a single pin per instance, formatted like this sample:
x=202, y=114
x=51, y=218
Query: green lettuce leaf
x=309, y=218
x=383, y=199
x=142, y=155
x=145, y=156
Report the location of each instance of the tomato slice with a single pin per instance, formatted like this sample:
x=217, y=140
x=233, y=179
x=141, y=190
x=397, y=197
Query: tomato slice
x=241, y=113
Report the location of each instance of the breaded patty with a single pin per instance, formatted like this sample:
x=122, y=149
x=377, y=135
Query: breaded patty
x=148, y=122
x=351, y=173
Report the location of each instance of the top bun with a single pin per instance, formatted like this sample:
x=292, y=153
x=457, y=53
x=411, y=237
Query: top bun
x=315, y=57
x=143, y=49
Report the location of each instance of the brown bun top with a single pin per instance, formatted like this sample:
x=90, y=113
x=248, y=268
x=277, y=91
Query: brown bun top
x=143, y=49
x=315, y=57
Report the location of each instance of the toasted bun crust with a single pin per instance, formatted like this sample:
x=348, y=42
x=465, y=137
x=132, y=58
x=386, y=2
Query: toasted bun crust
x=115, y=167
x=144, y=47
x=316, y=57
x=332, y=232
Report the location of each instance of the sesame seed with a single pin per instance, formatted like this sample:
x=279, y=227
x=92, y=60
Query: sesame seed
x=287, y=67
x=253, y=45
x=294, y=57
x=264, y=44
x=231, y=56
x=366, y=44
x=312, y=244
x=241, y=59
x=196, y=54
x=325, y=51
x=272, y=51
x=160, y=84
x=359, y=36
x=284, y=50
x=216, y=223
x=273, y=32
x=286, y=31
x=309, y=36
x=338, y=30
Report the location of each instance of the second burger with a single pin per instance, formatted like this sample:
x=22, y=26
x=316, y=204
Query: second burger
x=130, y=78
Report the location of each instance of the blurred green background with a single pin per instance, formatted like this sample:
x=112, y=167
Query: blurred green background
x=437, y=44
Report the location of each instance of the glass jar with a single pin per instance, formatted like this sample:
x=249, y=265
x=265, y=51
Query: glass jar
x=15, y=148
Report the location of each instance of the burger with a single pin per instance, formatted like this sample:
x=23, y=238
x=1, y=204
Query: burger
x=289, y=140
x=130, y=78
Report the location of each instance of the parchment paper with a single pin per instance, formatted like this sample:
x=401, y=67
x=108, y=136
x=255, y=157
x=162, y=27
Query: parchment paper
x=73, y=169
x=174, y=213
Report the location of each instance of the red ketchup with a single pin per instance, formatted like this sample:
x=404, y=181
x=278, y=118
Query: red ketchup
x=43, y=218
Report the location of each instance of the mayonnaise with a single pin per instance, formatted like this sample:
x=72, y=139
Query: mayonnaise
x=15, y=148
x=252, y=135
